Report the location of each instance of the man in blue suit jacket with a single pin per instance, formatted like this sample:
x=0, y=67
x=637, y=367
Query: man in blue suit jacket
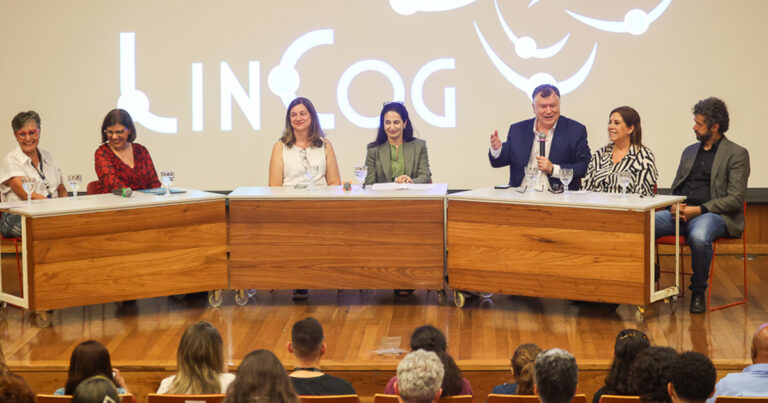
x=566, y=143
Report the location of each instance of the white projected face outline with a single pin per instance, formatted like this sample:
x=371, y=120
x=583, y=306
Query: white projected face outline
x=527, y=85
x=284, y=79
x=526, y=47
x=636, y=21
x=408, y=7
x=134, y=101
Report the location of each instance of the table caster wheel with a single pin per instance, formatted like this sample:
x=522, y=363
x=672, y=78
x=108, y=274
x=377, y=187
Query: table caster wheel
x=43, y=318
x=251, y=292
x=459, y=299
x=485, y=295
x=215, y=299
x=442, y=298
x=241, y=297
x=640, y=314
x=672, y=301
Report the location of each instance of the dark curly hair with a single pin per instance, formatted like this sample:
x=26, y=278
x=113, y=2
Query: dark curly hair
x=693, y=376
x=651, y=373
x=714, y=111
x=428, y=338
x=629, y=343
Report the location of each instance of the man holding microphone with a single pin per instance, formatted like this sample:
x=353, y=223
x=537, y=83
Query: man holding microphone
x=549, y=142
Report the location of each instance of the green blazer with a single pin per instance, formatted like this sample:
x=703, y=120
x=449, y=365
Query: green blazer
x=415, y=161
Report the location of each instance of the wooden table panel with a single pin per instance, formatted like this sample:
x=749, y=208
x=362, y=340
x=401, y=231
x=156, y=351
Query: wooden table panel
x=367, y=244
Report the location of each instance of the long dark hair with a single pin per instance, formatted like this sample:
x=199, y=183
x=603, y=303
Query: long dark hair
x=629, y=343
x=428, y=338
x=89, y=358
x=315, y=134
x=261, y=377
x=381, y=135
x=118, y=117
x=453, y=381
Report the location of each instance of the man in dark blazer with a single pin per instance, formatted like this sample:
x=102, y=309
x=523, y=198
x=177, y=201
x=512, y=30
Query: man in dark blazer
x=565, y=145
x=713, y=175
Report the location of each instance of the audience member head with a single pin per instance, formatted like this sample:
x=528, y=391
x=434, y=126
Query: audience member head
x=523, y=362
x=96, y=389
x=453, y=381
x=118, y=117
x=300, y=116
x=629, y=343
x=14, y=389
x=693, y=378
x=307, y=340
x=419, y=376
x=556, y=376
x=261, y=377
x=90, y=358
x=200, y=361
x=650, y=374
x=760, y=345
x=632, y=121
x=398, y=113
x=714, y=112
x=428, y=338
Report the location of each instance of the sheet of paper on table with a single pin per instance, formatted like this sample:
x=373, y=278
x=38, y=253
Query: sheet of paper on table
x=402, y=186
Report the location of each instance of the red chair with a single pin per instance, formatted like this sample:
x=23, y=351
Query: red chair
x=670, y=240
x=16, y=242
x=91, y=188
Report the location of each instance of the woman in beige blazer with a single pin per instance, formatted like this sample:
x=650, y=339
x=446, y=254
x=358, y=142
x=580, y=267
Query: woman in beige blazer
x=395, y=155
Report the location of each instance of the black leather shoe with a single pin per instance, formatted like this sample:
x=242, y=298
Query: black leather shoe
x=697, y=303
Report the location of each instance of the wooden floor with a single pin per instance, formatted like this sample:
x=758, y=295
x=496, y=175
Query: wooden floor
x=142, y=336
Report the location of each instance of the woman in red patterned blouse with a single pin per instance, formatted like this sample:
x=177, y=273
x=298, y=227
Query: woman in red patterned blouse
x=121, y=163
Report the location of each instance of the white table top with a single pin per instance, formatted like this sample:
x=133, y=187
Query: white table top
x=577, y=199
x=104, y=202
x=435, y=191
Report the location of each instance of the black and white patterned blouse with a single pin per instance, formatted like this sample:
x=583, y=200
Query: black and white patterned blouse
x=601, y=172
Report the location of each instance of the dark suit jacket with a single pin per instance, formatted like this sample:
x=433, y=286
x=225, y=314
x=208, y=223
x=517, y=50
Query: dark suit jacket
x=415, y=161
x=727, y=185
x=569, y=149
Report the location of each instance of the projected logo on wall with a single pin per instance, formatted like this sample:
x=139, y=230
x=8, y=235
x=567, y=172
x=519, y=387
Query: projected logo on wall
x=284, y=80
x=635, y=22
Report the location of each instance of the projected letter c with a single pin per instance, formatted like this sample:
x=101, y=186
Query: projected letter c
x=284, y=80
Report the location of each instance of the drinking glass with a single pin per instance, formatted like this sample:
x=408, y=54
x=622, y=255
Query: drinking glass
x=624, y=177
x=531, y=172
x=28, y=183
x=566, y=175
x=313, y=172
x=74, y=183
x=166, y=179
x=361, y=171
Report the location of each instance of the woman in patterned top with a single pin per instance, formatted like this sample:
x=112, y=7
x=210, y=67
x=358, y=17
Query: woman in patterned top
x=121, y=163
x=625, y=152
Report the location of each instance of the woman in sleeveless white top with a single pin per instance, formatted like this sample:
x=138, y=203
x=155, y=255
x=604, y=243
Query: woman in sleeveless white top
x=303, y=145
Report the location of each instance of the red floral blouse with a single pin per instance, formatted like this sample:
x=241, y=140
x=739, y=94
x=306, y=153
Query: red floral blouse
x=113, y=173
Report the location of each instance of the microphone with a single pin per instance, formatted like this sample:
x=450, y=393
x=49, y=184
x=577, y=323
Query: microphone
x=542, y=144
x=124, y=192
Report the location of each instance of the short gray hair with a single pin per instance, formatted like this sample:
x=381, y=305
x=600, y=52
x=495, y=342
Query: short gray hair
x=419, y=376
x=556, y=376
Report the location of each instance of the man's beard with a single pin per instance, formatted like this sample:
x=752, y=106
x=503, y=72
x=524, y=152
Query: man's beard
x=704, y=137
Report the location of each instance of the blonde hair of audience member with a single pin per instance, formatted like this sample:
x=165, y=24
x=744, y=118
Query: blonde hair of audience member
x=200, y=361
x=523, y=368
x=419, y=376
x=261, y=377
x=96, y=389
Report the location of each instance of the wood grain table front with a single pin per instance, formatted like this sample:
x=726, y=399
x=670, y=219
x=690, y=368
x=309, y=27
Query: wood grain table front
x=104, y=248
x=285, y=238
x=582, y=246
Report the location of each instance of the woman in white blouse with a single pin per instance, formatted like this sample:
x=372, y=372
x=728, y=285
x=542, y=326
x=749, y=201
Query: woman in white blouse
x=303, y=150
x=625, y=152
x=27, y=160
